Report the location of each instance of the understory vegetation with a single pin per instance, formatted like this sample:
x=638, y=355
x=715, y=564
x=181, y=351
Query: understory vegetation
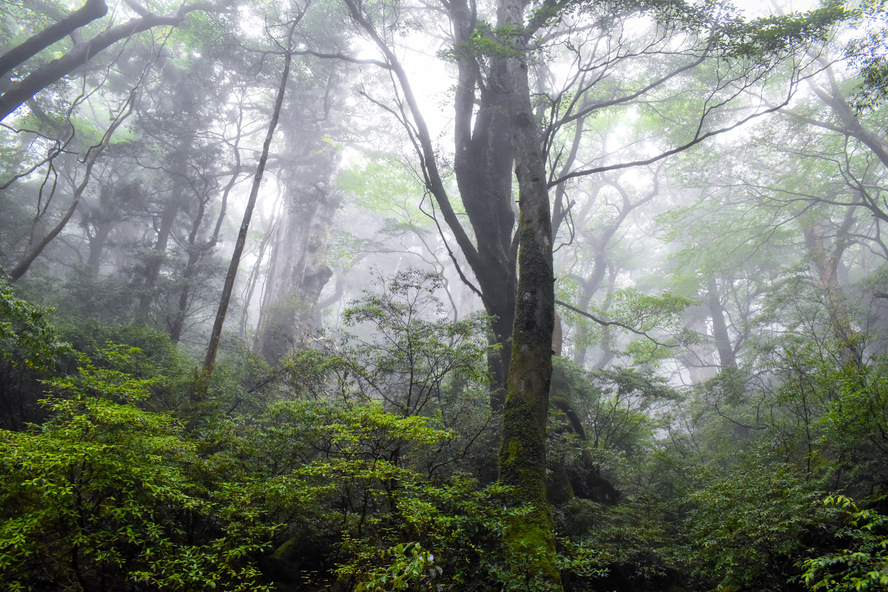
x=367, y=463
x=443, y=296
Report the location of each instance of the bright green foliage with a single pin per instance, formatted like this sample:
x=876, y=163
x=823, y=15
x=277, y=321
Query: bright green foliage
x=356, y=480
x=601, y=543
x=391, y=206
x=827, y=417
x=489, y=40
x=27, y=339
x=30, y=349
x=868, y=53
x=103, y=492
x=438, y=537
x=382, y=187
x=412, y=568
x=151, y=355
x=647, y=313
x=368, y=472
x=405, y=353
x=606, y=533
x=614, y=407
x=863, y=564
x=855, y=420
x=769, y=38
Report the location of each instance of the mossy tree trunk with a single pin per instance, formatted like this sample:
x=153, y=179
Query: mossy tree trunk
x=529, y=537
x=299, y=270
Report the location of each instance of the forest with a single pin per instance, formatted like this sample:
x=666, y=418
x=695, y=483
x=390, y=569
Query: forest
x=453, y=295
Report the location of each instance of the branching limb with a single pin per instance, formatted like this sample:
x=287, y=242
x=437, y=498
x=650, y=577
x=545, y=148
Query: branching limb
x=604, y=323
x=90, y=11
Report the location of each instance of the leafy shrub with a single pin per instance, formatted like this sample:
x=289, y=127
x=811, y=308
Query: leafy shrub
x=104, y=493
x=30, y=350
x=751, y=526
x=863, y=564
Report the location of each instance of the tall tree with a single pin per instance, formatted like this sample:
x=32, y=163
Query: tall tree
x=227, y=289
x=530, y=538
x=298, y=269
x=496, y=127
x=483, y=139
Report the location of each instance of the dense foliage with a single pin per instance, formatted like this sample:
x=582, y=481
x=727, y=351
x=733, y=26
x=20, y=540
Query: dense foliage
x=537, y=296
x=366, y=464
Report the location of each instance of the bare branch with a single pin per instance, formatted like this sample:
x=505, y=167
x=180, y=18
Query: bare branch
x=697, y=139
x=343, y=57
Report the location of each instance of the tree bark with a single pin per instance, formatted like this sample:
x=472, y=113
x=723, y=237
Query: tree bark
x=825, y=264
x=529, y=538
x=216, y=334
x=164, y=230
x=726, y=357
x=92, y=10
x=483, y=166
x=298, y=270
x=196, y=252
x=482, y=163
x=97, y=241
x=36, y=81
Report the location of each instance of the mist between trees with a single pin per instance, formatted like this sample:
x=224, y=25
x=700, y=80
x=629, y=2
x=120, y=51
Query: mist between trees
x=359, y=295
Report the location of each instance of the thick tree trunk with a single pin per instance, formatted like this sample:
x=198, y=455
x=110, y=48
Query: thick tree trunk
x=826, y=268
x=176, y=325
x=158, y=254
x=726, y=356
x=97, y=242
x=483, y=167
x=529, y=539
x=482, y=162
x=298, y=270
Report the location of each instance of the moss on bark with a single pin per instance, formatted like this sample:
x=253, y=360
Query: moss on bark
x=529, y=537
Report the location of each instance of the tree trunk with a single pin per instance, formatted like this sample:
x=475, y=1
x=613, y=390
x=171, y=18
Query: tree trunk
x=726, y=357
x=298, y=269
x=297, y=272
x=827, y=281
x=482, y=163
x=97, y=241
x=529, y=538
x=216, y=334
x=167, y=219
x=483, y=167
x=195, y=253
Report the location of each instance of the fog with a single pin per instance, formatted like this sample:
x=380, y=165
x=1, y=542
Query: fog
x=325, y=182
